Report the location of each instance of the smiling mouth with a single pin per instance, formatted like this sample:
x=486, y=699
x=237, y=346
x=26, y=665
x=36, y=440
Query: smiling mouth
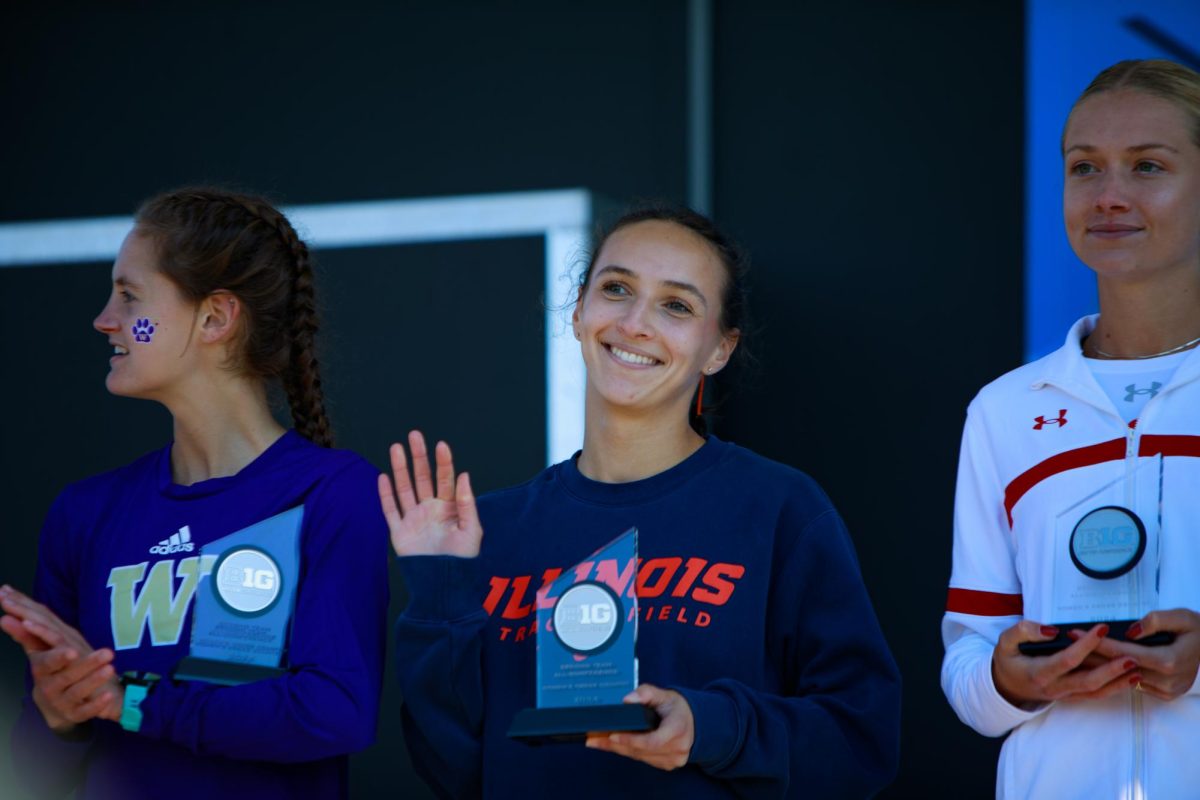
x=118, y=350
x=1113, y=230
x=631, y=358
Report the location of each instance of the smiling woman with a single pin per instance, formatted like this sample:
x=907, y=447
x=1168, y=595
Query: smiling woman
x=147, y=308
x=660, y=308
x=757, y=647
x=633, y=295
x=1067, y=658
x=212, y=297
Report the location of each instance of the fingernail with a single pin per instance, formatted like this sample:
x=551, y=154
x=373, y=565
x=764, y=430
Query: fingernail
x=1135, y=630
x=1049, y=630
x=1129, y=663
x=1102, y=631
x=1134, y=680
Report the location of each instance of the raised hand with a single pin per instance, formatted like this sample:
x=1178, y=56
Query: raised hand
x=72, y=683
x=669, y=745
x=1079, y=672
x=429, y=520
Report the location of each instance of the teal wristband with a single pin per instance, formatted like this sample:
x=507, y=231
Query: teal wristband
x=136, y=688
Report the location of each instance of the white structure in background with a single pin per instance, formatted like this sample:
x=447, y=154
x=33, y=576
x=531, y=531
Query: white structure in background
x=563, y=218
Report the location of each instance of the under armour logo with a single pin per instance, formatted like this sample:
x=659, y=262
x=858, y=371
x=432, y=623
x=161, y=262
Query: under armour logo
x=1061, y=419
x=1134, y=391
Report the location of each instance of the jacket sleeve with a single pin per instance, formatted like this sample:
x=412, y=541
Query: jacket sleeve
x=985, y=590
x=834, y=731
x=49, y=765
x=439, y=651
x=328, y=702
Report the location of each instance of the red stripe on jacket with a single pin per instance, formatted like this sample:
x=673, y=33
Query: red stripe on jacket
x=1112, y=450
x=984, y=604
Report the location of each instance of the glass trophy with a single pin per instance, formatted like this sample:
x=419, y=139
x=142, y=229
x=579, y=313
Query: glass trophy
x=1106, y=558
x=244, y=605
x=587, y=631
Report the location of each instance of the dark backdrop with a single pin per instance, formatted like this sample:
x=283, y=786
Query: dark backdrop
x=868, y=154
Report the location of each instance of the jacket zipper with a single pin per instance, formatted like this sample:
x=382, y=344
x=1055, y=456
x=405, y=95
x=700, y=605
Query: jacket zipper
x=1137, y=771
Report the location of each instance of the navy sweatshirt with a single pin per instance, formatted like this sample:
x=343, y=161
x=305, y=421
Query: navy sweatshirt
x=108, y=564
x=751, y=605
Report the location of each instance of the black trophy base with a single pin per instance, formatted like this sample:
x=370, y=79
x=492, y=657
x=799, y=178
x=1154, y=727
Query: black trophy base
x=1116, y=630
x=574, y=723
x=224, y=673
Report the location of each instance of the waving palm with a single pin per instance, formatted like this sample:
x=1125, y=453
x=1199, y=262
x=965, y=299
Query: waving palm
x=428, y=522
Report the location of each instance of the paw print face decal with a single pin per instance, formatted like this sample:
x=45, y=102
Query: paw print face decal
x=142, y=330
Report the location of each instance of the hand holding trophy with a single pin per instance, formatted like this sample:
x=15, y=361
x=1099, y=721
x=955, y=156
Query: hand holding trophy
x=1165, y=671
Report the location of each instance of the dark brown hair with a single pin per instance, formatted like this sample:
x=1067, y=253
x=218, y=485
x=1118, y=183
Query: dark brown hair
x=211, y=239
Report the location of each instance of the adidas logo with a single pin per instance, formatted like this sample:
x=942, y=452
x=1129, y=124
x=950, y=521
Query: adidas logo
x=180, y=542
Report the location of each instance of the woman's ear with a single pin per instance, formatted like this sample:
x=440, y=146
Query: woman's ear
x=219, y=316
x=575, y=313
x=729, y=342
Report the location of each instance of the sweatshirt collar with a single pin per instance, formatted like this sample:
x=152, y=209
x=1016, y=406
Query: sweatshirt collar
x=639, y=491
x=280, y=449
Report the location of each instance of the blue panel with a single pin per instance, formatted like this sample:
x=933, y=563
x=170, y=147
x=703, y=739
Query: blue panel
x=1067, y=43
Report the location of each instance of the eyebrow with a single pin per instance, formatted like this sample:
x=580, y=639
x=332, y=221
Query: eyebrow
x=123, y=281
x=1137, y=148
x=682, y=286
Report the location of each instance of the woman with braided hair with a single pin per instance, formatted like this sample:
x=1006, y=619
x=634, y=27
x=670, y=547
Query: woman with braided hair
x=212, y=298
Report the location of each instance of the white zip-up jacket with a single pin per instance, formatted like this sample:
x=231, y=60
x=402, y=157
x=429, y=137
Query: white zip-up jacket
x=1035, y=439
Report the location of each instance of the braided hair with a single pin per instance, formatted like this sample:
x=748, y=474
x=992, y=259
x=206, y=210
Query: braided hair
x=211, y=239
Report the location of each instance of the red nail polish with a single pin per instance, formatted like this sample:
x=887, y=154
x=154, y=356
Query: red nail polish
x=1134, y=680
x=1129, y=663
x=1102, y=630
x=1134, y=631
x=1049, y=630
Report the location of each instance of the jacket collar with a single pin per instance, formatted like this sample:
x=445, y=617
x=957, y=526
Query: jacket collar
x=1067, y=369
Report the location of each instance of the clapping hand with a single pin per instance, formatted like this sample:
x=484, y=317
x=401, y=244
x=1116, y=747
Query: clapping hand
x=429, y=521
x=72, y=683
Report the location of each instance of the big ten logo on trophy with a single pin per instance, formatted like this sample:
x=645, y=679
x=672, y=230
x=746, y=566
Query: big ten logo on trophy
x=587, y=618
x=1108, y=542
x=248, y=581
